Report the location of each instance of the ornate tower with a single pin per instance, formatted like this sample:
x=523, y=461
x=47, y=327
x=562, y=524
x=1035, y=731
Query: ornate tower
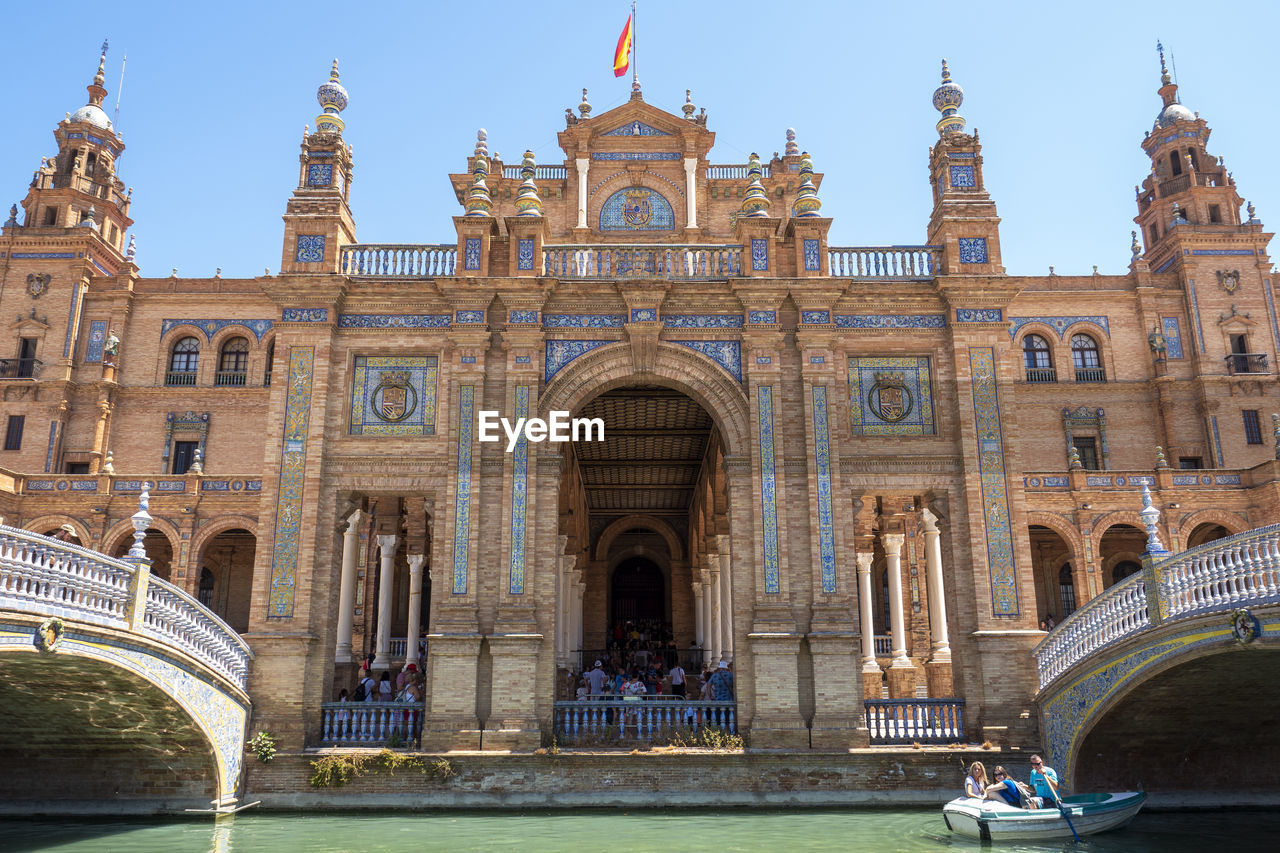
x=318, y=219
x=964, y=220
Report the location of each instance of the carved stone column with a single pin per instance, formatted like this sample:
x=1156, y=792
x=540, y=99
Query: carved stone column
x=871, y=672
x=726, y=597
x=415, y=608
x=582, y=163
x=717, y=616
x=347, y=588
x=691, y=192
x=938, y=667
x=901, y=671
x=382, y=647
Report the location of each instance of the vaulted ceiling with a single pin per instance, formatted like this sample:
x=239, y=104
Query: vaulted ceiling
x=654, y=443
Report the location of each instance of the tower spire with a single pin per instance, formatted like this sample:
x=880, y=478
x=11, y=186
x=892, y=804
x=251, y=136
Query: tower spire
x=333, y=100
x=947, y=99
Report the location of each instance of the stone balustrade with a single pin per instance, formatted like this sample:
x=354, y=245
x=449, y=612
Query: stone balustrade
x=370, y=723
x=47, y=577
x=661, y=261
x=540, y=173
x=915, y=720
x=644, y=718
x=734, y=172
x=398, y=260
x=884, y=262
x=1238, y=571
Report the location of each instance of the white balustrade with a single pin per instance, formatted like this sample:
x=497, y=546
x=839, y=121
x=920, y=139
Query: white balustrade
x=915, y=720
x=47, y=577
x=398, y=260
x=884, y=645
x=368, y=723
x=540, y=173
x=399, y=646
x=642, y=261
x=645, y=718
x=909, y=262
x=734, y=172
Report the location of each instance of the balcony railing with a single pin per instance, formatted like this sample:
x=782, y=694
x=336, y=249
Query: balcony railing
x=540, y=173
x=1247, y=362
x=371, y=723
x=1039, y=375
x=235, y=378
x=897, y=262
x=180, y=377
x=734, y=172
x=1091, y=374
x=20, y=368
x=403, y=260
x=915, y=720
x=642, y=261
x=647, y=719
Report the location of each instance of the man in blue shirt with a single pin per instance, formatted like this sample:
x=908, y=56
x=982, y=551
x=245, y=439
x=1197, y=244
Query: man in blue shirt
x=1045, y=780
x=722, y=683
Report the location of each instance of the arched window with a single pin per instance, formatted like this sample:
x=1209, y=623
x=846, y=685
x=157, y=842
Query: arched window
x=1123, y=570
x=183, y=362
x=1038, y=359
x=233, y=363
x=271, y=357
x=206, y=588
x=1085, y=358
x=1066, y=590
x=1175, y=163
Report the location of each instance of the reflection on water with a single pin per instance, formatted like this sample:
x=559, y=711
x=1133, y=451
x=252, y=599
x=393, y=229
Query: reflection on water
x=604, y=830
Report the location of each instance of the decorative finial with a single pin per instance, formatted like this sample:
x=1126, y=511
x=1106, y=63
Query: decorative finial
x=807, y=204
x=141, y=521
x=90, y=219
x=100, y=77
x=132, y=251
x=1150, y=515
x=584, y=108
x=1161, y=462
x=217, y=273
x=756, y=202
x=947, y=99
x=1135, y=247
x=174, y=273
x=197, y=463
x=479, y=202
x=333, y=100
x=108, y=465
x=1073, y=459
x=688, y=109
x=636, y=93
x=1178, y=215
x=482, y=142
x=12, y=221
x=1253, y=213
x=527, y=201
x=1164, y=69
x=792, y=148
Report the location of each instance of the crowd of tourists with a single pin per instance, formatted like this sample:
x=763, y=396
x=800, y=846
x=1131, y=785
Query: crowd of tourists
x=606, y=680
x=409, y=685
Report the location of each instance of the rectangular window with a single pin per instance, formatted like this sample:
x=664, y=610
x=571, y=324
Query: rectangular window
x=51, y=216
x=1088, y=450
x=26, y=358
x=1215, y=214
x=184, y=453
x=1252, y=427
x=1190, y=462
x=77, y=467
x=13, y=432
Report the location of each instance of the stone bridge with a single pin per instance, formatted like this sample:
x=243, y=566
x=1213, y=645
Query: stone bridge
x=114, y=685
x=1170, y=680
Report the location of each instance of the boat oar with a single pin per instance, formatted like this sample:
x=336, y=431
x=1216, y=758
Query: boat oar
x=1067, y=818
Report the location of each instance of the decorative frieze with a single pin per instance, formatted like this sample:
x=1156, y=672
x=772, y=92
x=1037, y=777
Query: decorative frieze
x=293, y=461
x=212, y=327
x=727, y=354
x=995, y=493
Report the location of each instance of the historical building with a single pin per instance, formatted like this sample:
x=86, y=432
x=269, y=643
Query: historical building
x=851, y=471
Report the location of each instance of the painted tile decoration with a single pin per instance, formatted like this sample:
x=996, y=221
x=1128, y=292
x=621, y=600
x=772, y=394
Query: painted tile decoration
x=973, y=250
x=84, y=486
x=727, y=354
x=319, y=174
x=764, y=359
x=637, y=209
x=1172, y=337
x=43, y=256
x=310, y=249
x=560, y=353
x=768, y=488
x=812, y=262
x=73, y=320
x=962, y=155
x=1058, y=324
x=1246, y=252
x=635, y=128
x=1166, y=264
x=1226, y=479
x=891, y=395
x=293, y=462
x=471, y=255
x=1217, y=441
x=702, y=321
x=1271, y=312
x=644, y=315
x=759, y=254
x=822, y=450
x=979, y=315
x=170, y=486
x=815, y=317
x=394, y=321
x=304, y=315
x=215, y=486
x=963, y=176
x=45, y=486
x=467, y=359
x=97, y=338
x=762, y=316
x=522, y=359
x=1186, y=479
x=584, y=321
x=995, y=495
x=817, y=359
x=891, y=321
x=394, y=395
x=53, y=439
x=462, y=502
x=524, y=253
x=635, y=155
x=212, y=327
x=469, y=317
x=1195, y=314
x=1057, y=482
x=522, y=316
x=519, y=497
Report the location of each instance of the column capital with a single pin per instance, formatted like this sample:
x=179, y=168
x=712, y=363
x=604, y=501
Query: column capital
x=387, y=541
x=415, y=562
x=930, y=521
x=864, y=560
x=892, y=543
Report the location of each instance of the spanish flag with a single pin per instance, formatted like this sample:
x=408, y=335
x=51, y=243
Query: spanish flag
x=622, y=56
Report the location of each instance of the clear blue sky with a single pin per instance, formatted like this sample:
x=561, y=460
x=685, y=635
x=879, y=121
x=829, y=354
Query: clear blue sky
x=216, y=95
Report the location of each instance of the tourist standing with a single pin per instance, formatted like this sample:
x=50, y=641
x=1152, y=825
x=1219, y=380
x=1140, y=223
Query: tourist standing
x=722, y=683
x=677, y=680
x=595, y=679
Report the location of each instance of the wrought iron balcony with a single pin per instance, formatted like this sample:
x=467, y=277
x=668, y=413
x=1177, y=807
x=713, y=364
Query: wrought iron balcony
x=232, y=378
x=1091, y=374
x=1247, y=362
x=180, y=377
x=20, y=368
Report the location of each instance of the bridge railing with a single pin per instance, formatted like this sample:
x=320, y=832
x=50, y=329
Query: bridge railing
x=915, y=720
x=644, y=718
x=370, y=723
x=1222, y=575
x=47, y=577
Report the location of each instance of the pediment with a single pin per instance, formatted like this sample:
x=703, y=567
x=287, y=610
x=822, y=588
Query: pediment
x=31, y=323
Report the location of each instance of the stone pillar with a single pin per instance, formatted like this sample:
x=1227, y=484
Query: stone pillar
x=691, y=192
x=582, y=163
x=726, y=605
x=415, y=608
x=347, y=588
x=713, y=587
x=579, y=592
x=938, y=667
x=699, y=617
x=902, y=673
x=382, y=648
x=871, y=672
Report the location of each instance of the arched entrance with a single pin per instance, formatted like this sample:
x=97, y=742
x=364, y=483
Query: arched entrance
x=638, y=592
x=226, y=576
x=1121, y=552
x=159, y=551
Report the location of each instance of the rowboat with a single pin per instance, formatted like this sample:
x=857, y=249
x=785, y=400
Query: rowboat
x=1089, y=814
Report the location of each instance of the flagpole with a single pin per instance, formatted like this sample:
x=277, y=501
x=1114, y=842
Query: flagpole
x=634, y=71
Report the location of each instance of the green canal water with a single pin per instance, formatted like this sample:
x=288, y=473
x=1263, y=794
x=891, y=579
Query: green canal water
x=609, y=831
